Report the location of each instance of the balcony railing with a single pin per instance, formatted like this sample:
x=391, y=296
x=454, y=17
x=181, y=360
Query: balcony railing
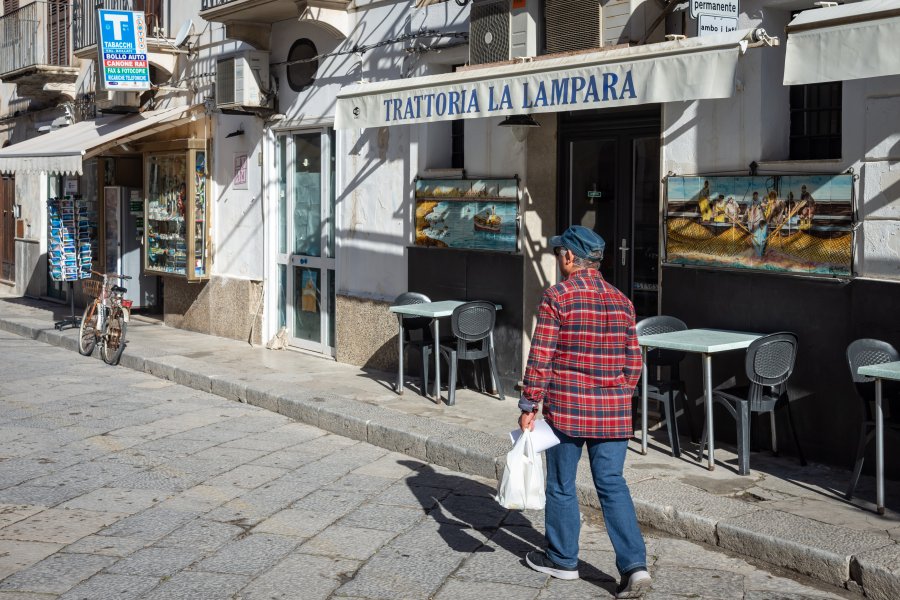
x=85, y=24
x=36, y=34
x=207, y=4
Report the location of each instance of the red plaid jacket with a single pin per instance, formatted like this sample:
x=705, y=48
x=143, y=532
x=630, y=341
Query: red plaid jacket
x=584, y=362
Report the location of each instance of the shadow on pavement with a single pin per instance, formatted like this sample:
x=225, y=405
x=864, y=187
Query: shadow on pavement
x=462, y=506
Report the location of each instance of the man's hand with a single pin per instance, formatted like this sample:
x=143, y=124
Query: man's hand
x=526, y=420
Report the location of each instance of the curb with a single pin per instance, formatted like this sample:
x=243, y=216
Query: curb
x=839, y=556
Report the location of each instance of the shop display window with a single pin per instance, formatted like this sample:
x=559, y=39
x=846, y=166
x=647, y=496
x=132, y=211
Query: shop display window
x=177, y=214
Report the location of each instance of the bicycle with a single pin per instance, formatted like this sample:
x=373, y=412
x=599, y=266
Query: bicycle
x=105, y=320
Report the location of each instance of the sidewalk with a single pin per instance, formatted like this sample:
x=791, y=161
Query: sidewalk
x=790, y=516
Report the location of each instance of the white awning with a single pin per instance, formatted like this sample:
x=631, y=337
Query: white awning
x=843, y=42
x=62, y=151
x=687, y=69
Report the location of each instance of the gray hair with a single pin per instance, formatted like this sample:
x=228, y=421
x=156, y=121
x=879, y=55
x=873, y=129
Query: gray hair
x=592, y=262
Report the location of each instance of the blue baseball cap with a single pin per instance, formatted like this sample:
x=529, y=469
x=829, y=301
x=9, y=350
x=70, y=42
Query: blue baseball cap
x=583, y=242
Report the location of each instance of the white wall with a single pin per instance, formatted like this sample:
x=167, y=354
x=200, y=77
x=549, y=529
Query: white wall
x=726, y=135
x=6, y=93
x=375, y=210
x=875, y=139
x=237, y=213
x=238, y=243
x=316, y=103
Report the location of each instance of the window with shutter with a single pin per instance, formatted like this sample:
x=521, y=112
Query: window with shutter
x=58, y=32
x=152, y=12
x=9, y=6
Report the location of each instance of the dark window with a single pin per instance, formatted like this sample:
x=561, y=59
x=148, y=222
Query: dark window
x=152, y=10
x=457, y=140
x=300, y=75
x=815, y=121
x=458, y=144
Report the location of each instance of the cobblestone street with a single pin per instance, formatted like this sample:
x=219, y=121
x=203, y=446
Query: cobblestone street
x=116, y=484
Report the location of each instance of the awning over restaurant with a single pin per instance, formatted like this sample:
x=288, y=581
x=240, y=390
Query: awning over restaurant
x=687, y=69
x=843, y=42
x=62, y=151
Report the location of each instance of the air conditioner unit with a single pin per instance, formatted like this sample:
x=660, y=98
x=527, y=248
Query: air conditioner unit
x=573, y=25
x=576, y=25
x=126, y=99
x=118, y=101
x=242, y=80
x=498, y=32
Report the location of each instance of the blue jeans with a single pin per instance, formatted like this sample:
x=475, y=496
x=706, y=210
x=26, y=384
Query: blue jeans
x=562, y=518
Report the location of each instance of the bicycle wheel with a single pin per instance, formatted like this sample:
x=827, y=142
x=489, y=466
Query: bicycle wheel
x=114, y=340
x=87, y=333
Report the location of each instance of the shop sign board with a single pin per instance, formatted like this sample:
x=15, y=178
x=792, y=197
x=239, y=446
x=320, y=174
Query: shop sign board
x=71, y=185
x=776, y=224
x=711, y=25
x=715, y=16
x=239, y=181
x=123, y=50
x=729, y=9
x=668, y=78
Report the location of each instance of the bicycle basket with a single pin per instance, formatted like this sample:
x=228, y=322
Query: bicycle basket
x=92, y=286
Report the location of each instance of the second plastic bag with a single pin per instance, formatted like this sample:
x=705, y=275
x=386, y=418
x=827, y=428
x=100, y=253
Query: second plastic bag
x=522, y=486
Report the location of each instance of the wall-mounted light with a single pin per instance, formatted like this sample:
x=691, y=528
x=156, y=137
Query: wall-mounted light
x=126, y=148
x=236, y=132
x=520, y=125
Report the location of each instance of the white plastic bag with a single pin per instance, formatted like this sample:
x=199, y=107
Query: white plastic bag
x=522, y=486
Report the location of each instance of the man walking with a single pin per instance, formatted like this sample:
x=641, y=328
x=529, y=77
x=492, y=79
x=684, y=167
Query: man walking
x=583, y=365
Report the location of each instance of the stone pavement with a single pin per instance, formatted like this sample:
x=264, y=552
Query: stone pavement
x=117, y=484
x=781, y=513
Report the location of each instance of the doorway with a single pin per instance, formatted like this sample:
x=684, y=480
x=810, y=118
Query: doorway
x=610, y=182
x=306, y=244
x=7, y=228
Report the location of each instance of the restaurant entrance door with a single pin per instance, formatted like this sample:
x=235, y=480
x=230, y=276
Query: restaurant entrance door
x=610, y=182
x=305, y=257
x=7, y=229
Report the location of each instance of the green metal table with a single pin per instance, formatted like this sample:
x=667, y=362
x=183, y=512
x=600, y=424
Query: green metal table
x=890, y=371
x=705, y=342
x=434, y=310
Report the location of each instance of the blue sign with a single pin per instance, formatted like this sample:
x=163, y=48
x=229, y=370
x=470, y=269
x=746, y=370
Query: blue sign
x=123, y=50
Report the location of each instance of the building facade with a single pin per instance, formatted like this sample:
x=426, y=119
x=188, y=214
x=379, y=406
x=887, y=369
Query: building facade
x=741, y=180
x=818, y=258
x=69, y=136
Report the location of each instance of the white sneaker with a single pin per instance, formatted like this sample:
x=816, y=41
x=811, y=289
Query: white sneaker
x=540, y=562
x=637, y=584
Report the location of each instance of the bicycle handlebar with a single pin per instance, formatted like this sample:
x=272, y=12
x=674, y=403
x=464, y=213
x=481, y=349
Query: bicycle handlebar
x=110, y=275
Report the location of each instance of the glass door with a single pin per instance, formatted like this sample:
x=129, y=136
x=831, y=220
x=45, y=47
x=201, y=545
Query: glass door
x=306, y=264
